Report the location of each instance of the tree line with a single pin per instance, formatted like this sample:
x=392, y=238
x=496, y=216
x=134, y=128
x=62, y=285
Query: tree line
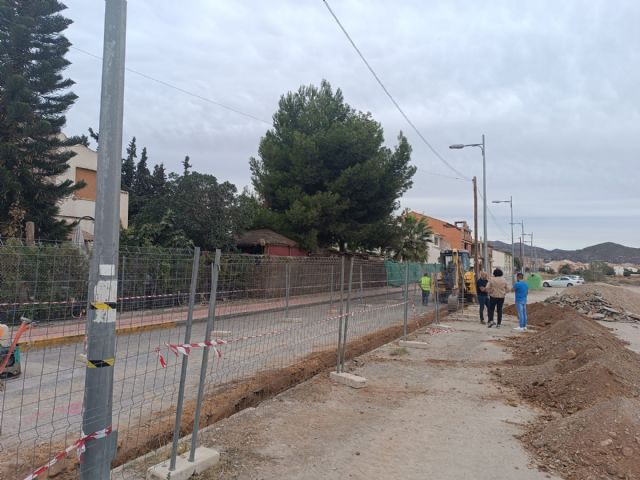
x=323, y=174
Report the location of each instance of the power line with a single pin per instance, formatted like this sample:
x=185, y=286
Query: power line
x=393, y=100
x=186, y=92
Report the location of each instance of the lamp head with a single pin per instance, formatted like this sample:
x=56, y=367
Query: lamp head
x=456, y=146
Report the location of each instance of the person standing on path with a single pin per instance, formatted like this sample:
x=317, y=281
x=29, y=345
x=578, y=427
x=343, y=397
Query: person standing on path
x=521, y=288
x=483, y=296
x=425, y=286
x=497, y=288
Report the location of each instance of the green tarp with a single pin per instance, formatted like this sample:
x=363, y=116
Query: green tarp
x=396, y=271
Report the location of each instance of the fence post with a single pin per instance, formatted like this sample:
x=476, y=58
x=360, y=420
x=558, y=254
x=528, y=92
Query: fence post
x=185, y=358
x=287, y=274
x=406, y=301
x=340, y=317
x=331, y=287
x=211, y=317
x=361, y=288
x=346, y=315
x=437, y=298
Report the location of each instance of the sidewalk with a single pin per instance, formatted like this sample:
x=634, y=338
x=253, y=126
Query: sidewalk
x=425, y=413
x=55, y=333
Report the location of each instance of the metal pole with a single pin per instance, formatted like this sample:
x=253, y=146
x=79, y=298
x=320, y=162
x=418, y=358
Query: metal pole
x=346, y=316
x=286, y=298
x=437, y=298
x=331, y=287
x=185, y=358
x=361, y=288
x=484, y=194
x=512, y=244
x=406, y=301
x=476, y=267
x=522, y=246
x=211, y=317
x=340, y=317
x=103, y=279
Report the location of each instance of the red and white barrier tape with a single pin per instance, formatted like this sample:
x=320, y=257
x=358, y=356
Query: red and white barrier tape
x=185, y=348
x=78, y=445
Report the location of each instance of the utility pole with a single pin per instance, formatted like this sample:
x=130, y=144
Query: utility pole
x=103, y=279
x=484, y=200
x=522, y=247
x=476, y=265
x=520, y=240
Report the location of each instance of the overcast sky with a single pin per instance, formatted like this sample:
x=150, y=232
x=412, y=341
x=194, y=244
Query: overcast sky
x=553, y=86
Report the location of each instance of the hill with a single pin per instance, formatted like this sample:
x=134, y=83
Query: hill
x=604, y=252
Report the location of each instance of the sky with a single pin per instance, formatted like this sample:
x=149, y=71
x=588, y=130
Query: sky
x=552, y=85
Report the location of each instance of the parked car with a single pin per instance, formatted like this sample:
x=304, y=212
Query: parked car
x=564, y=281
x=577, y=278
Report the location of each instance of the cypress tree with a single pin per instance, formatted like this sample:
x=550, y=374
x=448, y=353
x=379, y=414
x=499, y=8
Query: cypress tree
x=158, y=181
x=142, y=181
x=34, y=95
x=129, y=166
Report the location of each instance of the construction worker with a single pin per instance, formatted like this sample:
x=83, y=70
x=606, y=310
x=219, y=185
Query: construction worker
x=425, y=286
x=4, y=335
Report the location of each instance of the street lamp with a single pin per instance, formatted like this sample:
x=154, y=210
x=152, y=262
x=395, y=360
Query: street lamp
x=459, y=146
x=510, y=202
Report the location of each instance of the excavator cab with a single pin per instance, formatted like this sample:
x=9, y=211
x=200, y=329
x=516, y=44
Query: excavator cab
x=456, y=280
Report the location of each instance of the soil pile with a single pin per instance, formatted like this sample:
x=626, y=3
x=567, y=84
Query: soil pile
x=600, y=442
x=590, y=383
x=601, y=302
x=539, y=314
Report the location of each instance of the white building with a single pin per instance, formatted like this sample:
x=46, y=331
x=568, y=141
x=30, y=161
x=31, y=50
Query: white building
x=81, y=206
x=438, y=244
x=501, y=260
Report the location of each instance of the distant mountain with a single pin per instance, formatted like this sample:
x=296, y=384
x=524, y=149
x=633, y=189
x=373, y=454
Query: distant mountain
x=603, y=252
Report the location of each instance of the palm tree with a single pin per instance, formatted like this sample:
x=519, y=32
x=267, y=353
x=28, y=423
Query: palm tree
x=414, y=236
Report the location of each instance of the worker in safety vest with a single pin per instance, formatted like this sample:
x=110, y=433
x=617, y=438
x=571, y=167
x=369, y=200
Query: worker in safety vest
x=425, y=286
x=4, y=335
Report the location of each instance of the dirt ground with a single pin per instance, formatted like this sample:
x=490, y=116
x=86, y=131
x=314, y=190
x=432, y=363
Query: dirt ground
x=561, y=401
x=586, y=376
x=425, y=413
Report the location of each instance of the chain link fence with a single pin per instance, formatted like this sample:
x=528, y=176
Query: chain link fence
x=275, y=321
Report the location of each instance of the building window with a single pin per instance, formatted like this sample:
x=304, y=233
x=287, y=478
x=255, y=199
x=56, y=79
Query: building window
x=88, y=192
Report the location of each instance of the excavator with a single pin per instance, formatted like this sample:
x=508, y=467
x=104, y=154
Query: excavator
x=456, y=280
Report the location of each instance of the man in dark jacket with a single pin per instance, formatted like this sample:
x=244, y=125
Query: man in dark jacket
x=483, y=295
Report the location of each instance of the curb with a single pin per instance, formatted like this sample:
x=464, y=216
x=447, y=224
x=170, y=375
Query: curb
x=125, y=330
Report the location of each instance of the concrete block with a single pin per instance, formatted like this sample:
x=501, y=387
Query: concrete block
x=348, y=379
x=413, y=344
x=205, y=458
x=184, y=470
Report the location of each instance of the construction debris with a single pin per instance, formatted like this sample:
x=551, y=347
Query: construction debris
x=596, y=304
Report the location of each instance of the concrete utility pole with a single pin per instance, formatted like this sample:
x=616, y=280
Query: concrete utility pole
x=476, y=267
x=103, y=279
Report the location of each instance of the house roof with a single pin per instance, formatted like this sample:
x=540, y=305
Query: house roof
x=264, y=236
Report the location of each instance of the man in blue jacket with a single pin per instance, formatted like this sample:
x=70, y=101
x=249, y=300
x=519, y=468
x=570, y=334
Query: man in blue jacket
x=521, y=289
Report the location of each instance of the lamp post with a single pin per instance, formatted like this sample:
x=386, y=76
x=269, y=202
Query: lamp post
x=510, y=202
x=459, y=146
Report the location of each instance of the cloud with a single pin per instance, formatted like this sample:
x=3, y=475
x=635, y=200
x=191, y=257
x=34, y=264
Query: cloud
x=553, y=85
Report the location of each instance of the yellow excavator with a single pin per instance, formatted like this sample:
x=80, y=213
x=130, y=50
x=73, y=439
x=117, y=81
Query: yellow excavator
x=456, y=280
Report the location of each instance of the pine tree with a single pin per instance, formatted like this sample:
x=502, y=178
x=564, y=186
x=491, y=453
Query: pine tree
x=34, y=96
x=186, y=166
x=158, y=181
x=129, y=166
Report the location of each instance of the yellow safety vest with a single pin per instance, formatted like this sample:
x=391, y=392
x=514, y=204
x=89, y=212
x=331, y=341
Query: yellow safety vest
x=425, y=283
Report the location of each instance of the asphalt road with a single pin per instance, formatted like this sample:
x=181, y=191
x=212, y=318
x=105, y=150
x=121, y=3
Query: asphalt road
x=44, y=405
